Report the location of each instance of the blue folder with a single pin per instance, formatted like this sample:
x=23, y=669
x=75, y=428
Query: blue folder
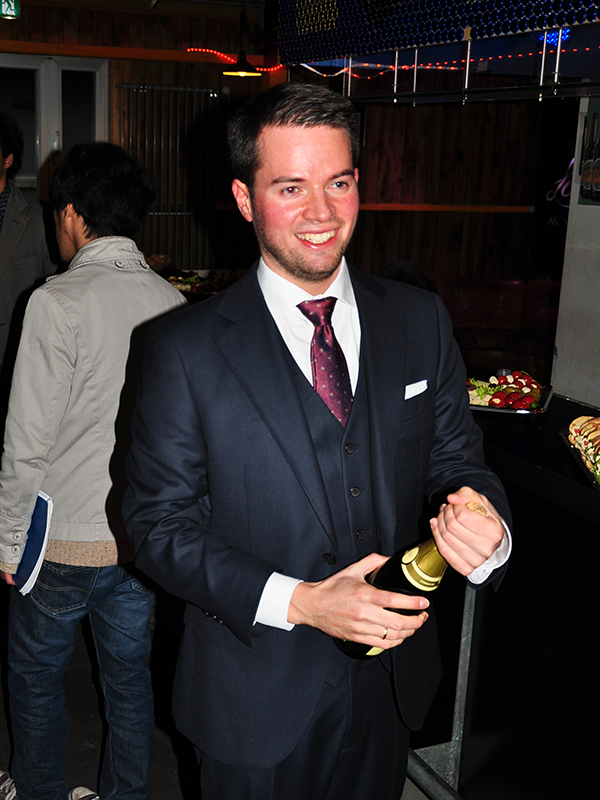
x=35, y=547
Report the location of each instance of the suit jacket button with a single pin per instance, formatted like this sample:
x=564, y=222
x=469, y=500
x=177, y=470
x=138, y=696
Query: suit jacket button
x=350, y=448
x=329, y=558
x=361, y=534
x=355, y=491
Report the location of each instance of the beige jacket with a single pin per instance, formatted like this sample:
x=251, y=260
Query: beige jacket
x=73, y=385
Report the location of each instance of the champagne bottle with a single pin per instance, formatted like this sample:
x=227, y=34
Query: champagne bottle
x=414, y=572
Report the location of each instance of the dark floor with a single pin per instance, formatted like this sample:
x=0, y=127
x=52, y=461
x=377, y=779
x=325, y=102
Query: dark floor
x=174, y=774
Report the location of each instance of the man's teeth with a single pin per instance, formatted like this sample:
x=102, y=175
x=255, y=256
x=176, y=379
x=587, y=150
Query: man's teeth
x=316, y=238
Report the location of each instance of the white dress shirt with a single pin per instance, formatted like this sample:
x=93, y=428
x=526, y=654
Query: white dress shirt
x=282, y=298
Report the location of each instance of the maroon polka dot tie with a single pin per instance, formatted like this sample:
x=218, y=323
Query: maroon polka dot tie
x=329, y=368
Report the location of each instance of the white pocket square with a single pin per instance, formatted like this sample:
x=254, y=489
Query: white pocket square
x=414, y=389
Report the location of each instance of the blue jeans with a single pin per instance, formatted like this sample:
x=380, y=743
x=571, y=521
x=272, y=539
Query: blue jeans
x=42, y=636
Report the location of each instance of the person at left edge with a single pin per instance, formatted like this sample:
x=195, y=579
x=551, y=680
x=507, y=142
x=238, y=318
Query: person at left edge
x=66, y=432
x=24, y=258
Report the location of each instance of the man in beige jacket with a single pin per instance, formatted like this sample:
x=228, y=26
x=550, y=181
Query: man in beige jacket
x=66, y=433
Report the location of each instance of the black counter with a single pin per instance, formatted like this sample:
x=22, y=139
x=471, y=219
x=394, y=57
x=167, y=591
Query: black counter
x=533, y=678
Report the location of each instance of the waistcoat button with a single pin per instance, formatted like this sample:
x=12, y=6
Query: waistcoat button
x=361, y=534
x=350, y=448
x=355, y=491
x=329, y=558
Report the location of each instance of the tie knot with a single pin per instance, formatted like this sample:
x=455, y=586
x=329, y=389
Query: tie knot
x=318, y=311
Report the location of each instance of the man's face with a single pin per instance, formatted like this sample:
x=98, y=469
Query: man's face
x=304, y=203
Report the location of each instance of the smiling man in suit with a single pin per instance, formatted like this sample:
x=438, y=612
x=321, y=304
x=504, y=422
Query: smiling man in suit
x=263, y=493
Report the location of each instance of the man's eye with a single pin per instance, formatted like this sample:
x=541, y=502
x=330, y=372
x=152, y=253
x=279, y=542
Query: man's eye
x=340, y=184
x=290, y=190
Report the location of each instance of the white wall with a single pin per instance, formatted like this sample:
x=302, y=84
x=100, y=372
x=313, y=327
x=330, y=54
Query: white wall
x=576, y=369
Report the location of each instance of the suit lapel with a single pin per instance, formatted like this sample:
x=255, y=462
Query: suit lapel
x=256, y=353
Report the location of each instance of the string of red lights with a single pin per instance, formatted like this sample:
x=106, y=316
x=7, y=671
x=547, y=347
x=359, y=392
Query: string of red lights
x=229, y=58
x=384, y=68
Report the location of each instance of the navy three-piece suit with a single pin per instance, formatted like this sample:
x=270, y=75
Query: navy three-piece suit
x=238, y=469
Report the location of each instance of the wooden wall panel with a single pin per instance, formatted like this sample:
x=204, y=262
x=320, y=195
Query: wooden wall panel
x=449, y=159
x=36, y=24
x=53, y=24
x=136, y=30
x=104, y=28
x=369, y=164
x=70, y=26
x=120, y=30
x=87, y=28
x=446, y=243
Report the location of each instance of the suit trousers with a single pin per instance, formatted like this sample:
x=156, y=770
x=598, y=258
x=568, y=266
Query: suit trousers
x=355, y=747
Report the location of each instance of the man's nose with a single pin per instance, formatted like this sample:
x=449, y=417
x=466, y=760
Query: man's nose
x=319, y=206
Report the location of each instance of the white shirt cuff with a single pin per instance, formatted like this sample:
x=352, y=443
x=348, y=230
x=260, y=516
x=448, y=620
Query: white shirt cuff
x=275, y=600
x=497, y=559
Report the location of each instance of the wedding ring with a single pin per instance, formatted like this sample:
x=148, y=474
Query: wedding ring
x=385, y=633
x=478, y=508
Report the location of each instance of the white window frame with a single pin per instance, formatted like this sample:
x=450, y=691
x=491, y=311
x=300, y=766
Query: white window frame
x=48, y=88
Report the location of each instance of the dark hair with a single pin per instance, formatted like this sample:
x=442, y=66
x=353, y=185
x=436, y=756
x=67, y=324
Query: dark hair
x=11, y=143
x=107, y=187
x=296, y=104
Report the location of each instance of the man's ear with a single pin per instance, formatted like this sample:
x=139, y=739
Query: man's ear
x=69, y=212
x=8, y=161
x=243, y=199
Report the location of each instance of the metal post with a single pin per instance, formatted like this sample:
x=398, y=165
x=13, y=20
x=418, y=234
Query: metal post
x=444, y=759
x=415, y=70
x=557, y=65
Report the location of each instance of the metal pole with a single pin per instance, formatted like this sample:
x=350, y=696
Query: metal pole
x=415, y=70
x=543, y=58
x=429, y=781
x=556, y=67
x=349, y=74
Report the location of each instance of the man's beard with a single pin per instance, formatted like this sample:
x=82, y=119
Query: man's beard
x=303, y=269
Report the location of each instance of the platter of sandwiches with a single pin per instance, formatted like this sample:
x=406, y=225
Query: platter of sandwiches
x=583, y=438
x=509, y=393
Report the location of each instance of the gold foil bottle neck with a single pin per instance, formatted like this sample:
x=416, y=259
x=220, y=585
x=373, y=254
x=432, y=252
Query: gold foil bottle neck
x=423, y=566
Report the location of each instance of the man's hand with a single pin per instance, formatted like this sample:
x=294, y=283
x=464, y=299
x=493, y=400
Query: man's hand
x=7, y=578
x=345, y=606
x=467, y=530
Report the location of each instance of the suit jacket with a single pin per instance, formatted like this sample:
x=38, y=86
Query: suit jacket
x=24, y=256
x=225, y=488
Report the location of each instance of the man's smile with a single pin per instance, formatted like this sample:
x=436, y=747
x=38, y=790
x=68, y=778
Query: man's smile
x=316, y=238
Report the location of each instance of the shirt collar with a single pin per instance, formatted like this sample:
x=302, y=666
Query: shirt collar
x=282, y=295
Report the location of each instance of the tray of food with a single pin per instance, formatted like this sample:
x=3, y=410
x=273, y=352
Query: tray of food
x=509, y=393
x=203, y=282
x=582, y=437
